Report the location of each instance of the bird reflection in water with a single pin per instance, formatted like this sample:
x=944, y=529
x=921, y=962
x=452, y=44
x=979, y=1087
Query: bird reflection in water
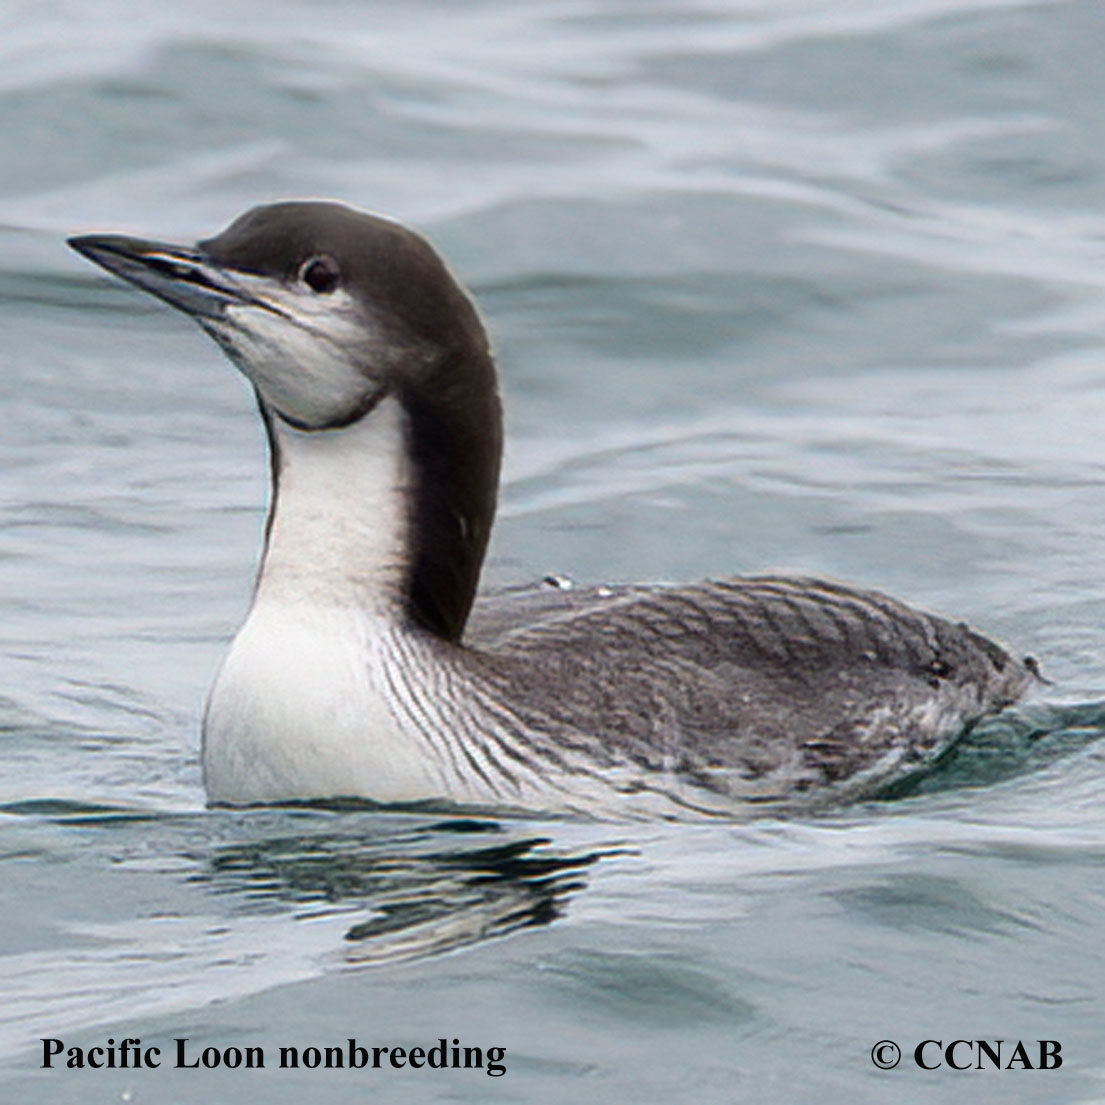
x=425, y=889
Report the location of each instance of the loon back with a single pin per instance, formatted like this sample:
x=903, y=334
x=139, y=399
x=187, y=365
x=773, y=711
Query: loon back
x=352, y=674
x=772, y=690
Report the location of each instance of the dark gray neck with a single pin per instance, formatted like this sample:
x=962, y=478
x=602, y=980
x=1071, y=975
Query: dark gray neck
x=455, y=439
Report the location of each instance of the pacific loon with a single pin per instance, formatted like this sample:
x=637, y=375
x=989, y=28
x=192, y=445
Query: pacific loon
x=356, y=672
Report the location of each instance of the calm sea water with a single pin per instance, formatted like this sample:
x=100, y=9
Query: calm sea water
x=775, y=284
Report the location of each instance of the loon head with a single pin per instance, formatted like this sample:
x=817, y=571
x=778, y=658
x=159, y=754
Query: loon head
x=329, y=312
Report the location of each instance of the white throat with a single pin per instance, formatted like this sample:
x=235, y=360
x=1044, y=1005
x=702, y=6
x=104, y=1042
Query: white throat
x=338, y=534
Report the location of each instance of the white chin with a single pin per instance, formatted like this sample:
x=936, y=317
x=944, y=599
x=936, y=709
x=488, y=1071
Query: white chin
x=305, y=379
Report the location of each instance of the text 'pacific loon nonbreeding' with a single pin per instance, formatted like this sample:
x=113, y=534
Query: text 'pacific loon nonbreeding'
x=356, y=672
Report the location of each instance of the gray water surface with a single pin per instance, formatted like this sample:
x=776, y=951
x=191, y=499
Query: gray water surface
x=775, y=285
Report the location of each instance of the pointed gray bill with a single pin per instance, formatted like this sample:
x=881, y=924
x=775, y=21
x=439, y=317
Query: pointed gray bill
x=183, y=277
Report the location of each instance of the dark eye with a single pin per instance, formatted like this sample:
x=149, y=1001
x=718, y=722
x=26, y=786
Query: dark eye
x=320, y=274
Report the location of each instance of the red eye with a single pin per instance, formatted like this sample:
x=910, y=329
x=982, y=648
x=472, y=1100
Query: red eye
x=320, y=274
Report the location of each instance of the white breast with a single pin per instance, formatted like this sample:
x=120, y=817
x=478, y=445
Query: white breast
x=302, y=707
